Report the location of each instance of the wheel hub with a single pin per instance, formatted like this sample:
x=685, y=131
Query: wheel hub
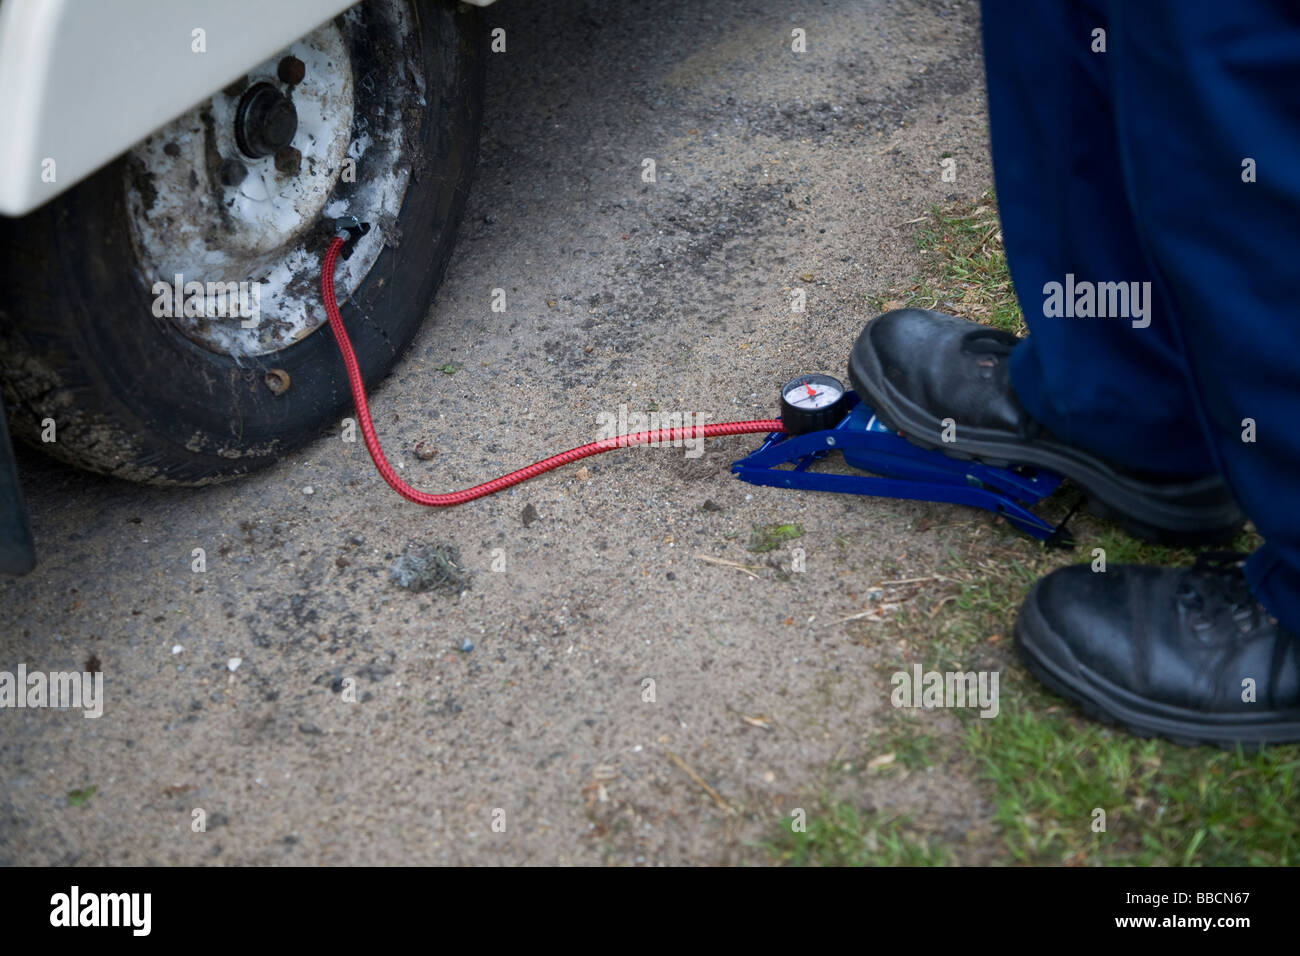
x=265, y=121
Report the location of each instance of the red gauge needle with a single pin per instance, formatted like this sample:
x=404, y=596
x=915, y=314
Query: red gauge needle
x=811, y=391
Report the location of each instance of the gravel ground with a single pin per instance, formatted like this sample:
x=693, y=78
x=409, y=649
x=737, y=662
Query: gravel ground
x=517, y=694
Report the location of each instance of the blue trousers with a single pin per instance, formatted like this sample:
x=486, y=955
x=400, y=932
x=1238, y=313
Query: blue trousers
x=1165, y=150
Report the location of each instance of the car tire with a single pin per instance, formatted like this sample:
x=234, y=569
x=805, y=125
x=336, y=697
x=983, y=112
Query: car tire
x=85, y=360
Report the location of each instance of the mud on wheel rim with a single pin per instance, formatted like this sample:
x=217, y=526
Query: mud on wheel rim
x=227, y=220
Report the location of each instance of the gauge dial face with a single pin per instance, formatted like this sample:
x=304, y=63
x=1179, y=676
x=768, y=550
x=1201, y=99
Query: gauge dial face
x=812, y=403
x=812, y=392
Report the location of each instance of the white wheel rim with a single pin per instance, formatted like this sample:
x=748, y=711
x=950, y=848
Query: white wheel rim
x=265, y=232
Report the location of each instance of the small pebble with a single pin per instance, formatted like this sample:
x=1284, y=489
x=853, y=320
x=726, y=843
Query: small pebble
x=467, y=645
x=176, y=648
x=309, y=490
x=233, y=663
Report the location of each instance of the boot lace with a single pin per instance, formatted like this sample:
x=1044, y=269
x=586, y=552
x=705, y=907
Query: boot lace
x=1214, y=589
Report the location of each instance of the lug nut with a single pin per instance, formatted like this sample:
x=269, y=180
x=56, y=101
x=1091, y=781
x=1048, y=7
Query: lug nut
x=288, y=161
x=291, y=70
x=231, y=172
x=265, y=121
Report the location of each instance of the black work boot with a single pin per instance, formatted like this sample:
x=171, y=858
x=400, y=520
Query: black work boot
x=916, y=368
x=1182, y=653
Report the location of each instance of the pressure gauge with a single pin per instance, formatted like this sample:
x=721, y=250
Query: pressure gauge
x=812, y=403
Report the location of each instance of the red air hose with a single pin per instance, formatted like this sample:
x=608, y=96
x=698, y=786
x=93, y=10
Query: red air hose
x=662, y=435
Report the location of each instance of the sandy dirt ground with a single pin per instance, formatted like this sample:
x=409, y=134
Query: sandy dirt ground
x=521, y=697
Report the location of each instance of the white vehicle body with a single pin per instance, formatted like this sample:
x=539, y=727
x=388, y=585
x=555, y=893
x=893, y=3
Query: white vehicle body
x=152, y=61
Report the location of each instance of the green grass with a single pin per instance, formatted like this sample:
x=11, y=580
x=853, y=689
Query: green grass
x=1051, y=770
x=770, y=537
x=967, y=271
x=913, y=747
x=837, y=834
x=1045, y=768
